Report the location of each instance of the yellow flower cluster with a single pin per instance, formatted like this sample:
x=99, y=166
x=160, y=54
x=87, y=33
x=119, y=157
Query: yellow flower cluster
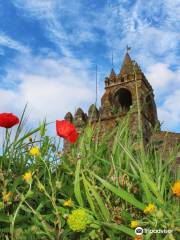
x=34, y=151
x=78, y=220
x=150, y=208
x=68, y=203
x=176, y=188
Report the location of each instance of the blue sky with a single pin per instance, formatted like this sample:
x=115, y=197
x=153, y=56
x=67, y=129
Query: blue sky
x=49, y=50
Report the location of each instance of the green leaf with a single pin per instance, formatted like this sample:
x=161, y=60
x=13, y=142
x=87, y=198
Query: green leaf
x=77, y=189
x=43, y=128
x=121, y=193
x=146, y=189
x=126, y=216
x=90, y=200
x=153, y=188
x=104, y=211
x=4, y=218
x=42, y=204
x=120, y=228
x=26, y=209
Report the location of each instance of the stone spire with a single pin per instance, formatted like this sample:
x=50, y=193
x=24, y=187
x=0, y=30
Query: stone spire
x=69, y=117
x=127, y=65
x=111, y=78
x=137, y=67
x=127, y=59
x=112, y=74
x=93, y=113
x=80, y=117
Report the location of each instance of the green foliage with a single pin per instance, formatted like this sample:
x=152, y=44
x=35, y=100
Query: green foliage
x=112, y=179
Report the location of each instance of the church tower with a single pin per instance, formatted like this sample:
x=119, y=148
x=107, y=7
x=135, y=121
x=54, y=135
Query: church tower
x=126, y=91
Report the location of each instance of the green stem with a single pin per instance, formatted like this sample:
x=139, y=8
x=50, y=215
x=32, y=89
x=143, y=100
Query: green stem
x=52, y=199
x=16, y=213
x=44, y=224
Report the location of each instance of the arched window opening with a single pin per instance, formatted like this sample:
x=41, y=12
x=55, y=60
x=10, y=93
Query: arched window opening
x=123, y=99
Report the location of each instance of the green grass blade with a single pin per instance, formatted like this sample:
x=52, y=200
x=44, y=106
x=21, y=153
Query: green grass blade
x=4, y=218
x=121, y=193
x=89, y=198
x=146, y=189
x=153, y=188
x=77, y=188
x=104, y=211
x=120, y=228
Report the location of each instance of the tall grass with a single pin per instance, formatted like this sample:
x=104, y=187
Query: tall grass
x=109, y=178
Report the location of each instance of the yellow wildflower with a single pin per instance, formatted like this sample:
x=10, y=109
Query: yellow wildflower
x=6, y=197
x=150, y=208
x=134, y=224
x=27, y=177
x=176, y=188
x=34, y=151
x=78, y=220
x=68, y=203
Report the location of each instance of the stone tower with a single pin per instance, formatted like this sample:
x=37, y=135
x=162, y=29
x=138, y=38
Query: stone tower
x=125, y=92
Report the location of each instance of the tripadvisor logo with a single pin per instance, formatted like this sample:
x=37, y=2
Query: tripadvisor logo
x=139, y=231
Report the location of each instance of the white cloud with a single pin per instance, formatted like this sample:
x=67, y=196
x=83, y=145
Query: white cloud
x=54, y=15
x=148, y=28
x=162, y=77
x=169, y=112
x=51, y=87
x=166, y=84
x=36, y=8
x=173, y=13
x=47, y=13
x=6, y=41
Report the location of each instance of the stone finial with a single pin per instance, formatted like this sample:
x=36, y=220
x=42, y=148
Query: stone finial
x=69, y=117
x=112, y=75
x=111, y=78
x=79, y=112
x=80, y=117
x=137, y=67
x=93, y=113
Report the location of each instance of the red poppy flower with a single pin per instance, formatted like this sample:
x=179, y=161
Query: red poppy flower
x=8, y=120
x=66, y=130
